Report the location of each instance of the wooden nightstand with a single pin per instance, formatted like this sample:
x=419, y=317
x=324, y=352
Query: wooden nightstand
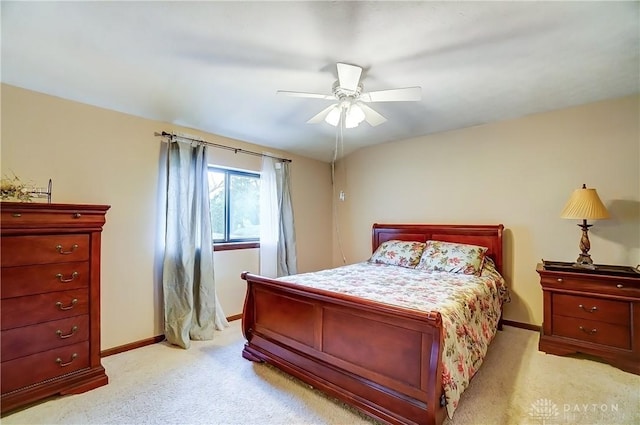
x=595, y=312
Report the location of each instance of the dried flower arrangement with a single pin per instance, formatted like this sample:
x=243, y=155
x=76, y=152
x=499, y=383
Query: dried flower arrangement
x=12, y=188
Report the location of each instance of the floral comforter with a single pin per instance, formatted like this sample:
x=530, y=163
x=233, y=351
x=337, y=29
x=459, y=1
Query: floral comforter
x=469, y=306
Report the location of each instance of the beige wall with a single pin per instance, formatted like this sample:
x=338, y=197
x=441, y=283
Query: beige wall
x=519, y=173
x=99, y=156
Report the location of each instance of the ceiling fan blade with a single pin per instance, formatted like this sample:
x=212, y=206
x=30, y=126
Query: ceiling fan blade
x=371, y=116
x=321, y=115
x=303, y=94
x=348, y=76
x=393, y=95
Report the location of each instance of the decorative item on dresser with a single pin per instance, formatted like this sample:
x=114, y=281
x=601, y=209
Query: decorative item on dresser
x=595, y=312
x=50, y=290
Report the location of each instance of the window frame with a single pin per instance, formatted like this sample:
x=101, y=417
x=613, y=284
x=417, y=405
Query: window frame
x=232, y=244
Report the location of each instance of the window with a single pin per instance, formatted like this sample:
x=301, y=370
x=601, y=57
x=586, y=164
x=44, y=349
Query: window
x=234, y=198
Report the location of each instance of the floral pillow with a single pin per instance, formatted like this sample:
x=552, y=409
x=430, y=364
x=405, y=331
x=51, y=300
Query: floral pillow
x=398, y=253
x=452, y=257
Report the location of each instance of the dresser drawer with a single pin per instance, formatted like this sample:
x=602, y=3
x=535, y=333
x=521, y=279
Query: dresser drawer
x=592, y=331
x=27, y=250
x=27, y=340
x=591, y=308
x=29, y=280
x=23, y=311
x=39, y=367
x=42, y=216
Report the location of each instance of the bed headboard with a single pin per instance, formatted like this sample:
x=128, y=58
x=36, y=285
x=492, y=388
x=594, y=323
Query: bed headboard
x=474, y=234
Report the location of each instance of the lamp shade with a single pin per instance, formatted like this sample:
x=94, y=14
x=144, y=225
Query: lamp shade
x=585, y=204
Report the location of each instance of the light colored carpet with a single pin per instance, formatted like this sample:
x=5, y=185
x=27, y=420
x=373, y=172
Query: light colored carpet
x=212, y=384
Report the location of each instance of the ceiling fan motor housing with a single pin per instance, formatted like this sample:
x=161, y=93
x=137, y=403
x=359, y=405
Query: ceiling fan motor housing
x=341, y=93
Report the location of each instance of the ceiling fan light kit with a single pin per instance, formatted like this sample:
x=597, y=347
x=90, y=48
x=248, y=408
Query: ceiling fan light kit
x=354, y=116
x=353, y=113
x=350, y=107
x=333, y=117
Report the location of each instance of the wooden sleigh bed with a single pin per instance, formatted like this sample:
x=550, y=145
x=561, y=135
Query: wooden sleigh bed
x=385, y=361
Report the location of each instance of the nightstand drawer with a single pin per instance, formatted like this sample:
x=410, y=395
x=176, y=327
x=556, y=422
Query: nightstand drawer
x=593, y=331
x=592, y=284
x=591, y=308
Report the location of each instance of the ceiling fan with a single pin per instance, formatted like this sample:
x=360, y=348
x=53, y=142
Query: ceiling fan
x=351, y=107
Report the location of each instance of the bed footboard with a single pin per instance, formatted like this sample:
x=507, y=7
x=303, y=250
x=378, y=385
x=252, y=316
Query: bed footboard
x=380, y=359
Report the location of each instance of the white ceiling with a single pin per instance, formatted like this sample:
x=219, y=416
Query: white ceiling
x=216, y=66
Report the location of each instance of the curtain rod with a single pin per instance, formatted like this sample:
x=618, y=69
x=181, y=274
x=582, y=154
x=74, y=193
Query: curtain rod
x=217, y=145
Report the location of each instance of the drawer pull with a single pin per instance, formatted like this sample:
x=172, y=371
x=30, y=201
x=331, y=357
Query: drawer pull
x=16, y=215
x=591, y=310
x=77, y=215
x=70, y=334
x=59, y=360
x=73, y=248
x=560, y=280
x=69, y=307
x=65, y=280
x=619, y=285
x=590, y=332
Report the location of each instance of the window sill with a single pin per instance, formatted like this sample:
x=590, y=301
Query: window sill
x=235, y=245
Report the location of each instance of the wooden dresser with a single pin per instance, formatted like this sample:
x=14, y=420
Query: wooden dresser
x=50, y=299
x=596, y=313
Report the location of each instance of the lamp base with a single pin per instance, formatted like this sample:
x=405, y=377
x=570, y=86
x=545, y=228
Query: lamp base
x=584, y=260
x=589, y=266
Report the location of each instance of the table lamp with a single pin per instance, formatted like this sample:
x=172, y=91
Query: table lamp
x=584, y=204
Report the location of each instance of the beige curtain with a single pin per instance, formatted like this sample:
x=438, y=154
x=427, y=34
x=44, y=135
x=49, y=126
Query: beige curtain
x=191, y=307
